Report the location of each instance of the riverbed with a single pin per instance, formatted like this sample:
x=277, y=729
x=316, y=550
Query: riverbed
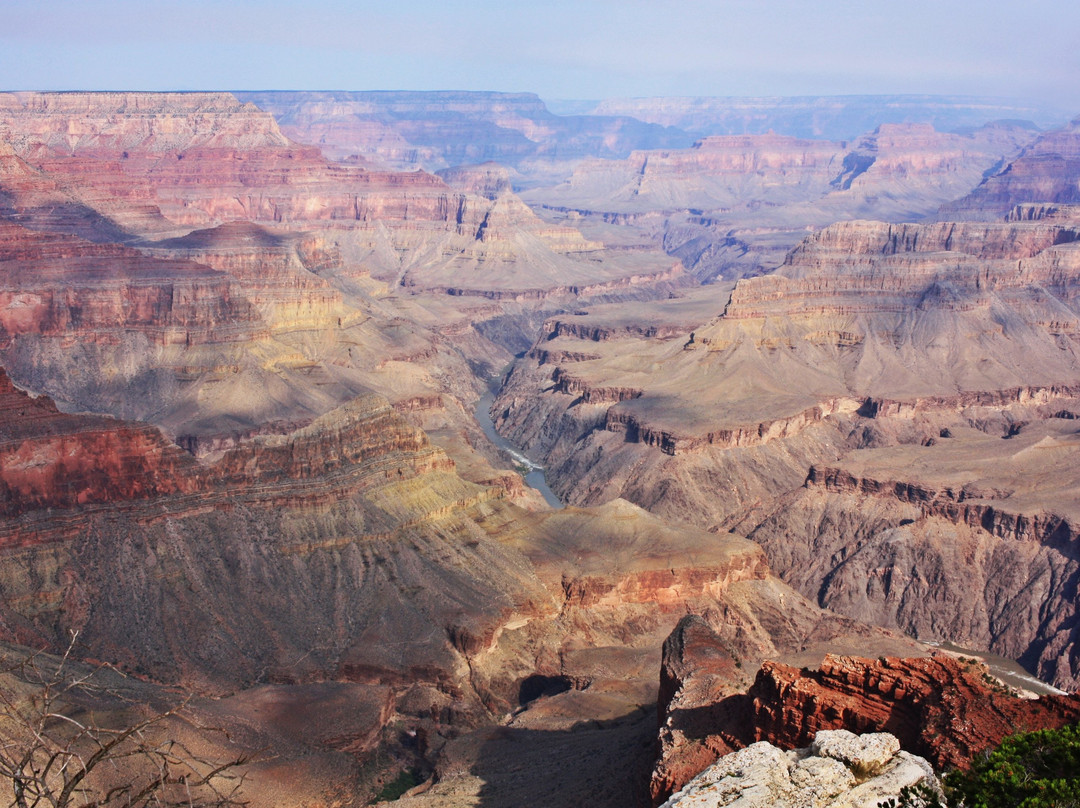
x=1008, y=671
x=534, y=477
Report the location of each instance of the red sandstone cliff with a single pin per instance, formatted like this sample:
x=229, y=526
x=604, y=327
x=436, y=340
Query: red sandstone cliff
x=204, y=158
x=62, y=286
x=52, y=460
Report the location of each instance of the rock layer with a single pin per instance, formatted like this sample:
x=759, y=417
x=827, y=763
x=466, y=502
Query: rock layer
x=944, y=709
x=1047, y=172
x=733, y=205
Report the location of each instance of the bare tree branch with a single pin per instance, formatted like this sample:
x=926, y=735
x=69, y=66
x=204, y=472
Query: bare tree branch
x=53, y=758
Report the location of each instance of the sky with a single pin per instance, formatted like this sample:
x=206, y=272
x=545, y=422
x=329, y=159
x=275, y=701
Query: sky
x=560, y=49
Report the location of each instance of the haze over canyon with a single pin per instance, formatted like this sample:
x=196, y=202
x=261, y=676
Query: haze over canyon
x=803, y=374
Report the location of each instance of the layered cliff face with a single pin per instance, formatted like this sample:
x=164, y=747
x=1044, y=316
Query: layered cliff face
x=165, y=337
x=52, y=460
x=901, y=172
x=434, y=130
x=278, y=272
x=718, y=172
x=1046, y=171
x=64, y=286
x=872, y=335
x=897, y=535
x=38, y=201
x=732, y=205
x=775, y=176
x=200, y=159
x=91, y=323
x=203, y=159
x=943, y=708
x=354, y=516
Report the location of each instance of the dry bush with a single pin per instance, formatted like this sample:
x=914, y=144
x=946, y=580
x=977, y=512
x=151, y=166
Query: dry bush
x=55, y=753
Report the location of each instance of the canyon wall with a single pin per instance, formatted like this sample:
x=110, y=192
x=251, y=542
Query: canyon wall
x=1046, y=172
x=434, y=130
x=732, y=205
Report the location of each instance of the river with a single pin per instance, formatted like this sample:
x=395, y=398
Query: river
x=1008, y=671
x=535, y=475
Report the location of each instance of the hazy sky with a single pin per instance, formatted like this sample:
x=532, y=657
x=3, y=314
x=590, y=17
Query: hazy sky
x=558, y=48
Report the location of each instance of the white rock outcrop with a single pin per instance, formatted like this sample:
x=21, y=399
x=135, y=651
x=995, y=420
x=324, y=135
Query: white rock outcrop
x=839, y=770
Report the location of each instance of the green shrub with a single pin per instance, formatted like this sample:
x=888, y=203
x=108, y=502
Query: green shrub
x=1029, y=770
x=405, y=780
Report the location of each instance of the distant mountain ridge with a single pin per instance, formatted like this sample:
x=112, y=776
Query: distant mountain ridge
x=835, y=117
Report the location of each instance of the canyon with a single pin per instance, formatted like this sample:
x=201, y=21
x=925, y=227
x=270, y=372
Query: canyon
x=930, y=348
x=820, y=394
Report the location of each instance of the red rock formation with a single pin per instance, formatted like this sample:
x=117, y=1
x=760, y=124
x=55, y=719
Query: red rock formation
x=205, y=158
x=277, y=272
x=697, y=672
x=672, y=443
x=939, y=707
x=52, y=460
x=718, y=173
x=942, y=708
x=32, y=198
x=62, y=286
